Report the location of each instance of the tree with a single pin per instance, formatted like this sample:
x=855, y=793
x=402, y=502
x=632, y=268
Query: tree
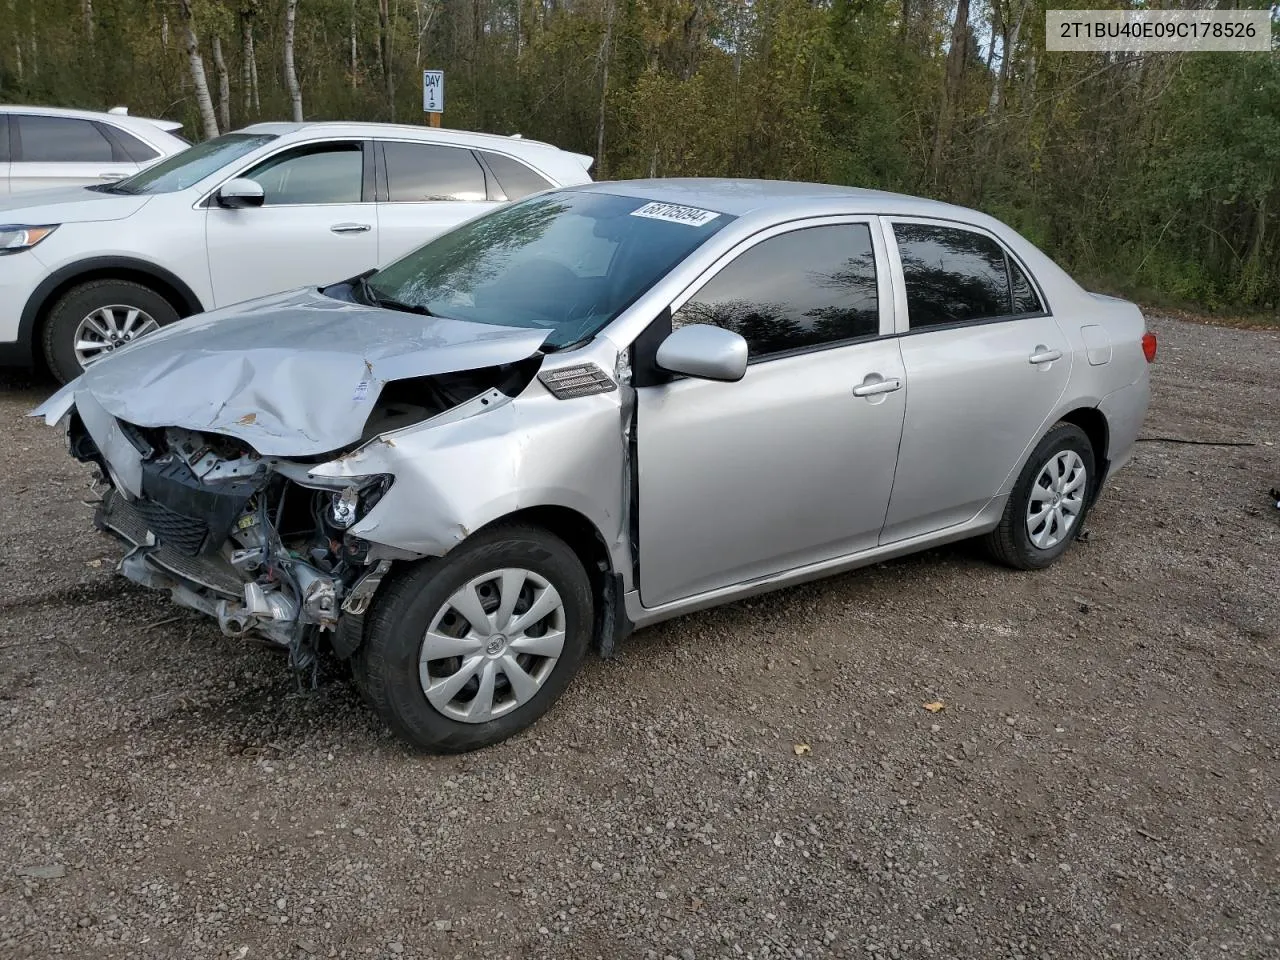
x=290, y=74
x=203, y=101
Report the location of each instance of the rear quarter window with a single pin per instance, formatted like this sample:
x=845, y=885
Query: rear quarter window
x=515, y=178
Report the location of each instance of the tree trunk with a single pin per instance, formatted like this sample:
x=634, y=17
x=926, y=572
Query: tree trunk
x=384, y=42
x=86, y=13
x=954, y=77
x=1006, y=59
x=224, y=84
x=355, y=50
x=246, y=60
x=164, y=32
x=17, y=41
x=203, y=101
x=253, y=75
x=291, y=75
x=605, y=53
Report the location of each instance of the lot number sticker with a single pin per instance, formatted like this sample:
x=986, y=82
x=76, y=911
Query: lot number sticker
x=674, y=213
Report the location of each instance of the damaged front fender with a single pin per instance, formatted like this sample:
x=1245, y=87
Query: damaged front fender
x=488, y=459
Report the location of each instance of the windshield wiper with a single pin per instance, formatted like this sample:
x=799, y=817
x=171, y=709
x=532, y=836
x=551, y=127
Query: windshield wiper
x=390, y=304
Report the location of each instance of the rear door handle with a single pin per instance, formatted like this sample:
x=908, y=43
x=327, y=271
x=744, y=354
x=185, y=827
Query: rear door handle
x=870, y=387
x=351, y=228
x=111, y=176
x=1043, y=354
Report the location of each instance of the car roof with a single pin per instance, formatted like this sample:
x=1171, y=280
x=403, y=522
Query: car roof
x=742, y=197
x=340, y=128
x=151, y=130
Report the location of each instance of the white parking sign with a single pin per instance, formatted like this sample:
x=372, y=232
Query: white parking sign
x=433, y=91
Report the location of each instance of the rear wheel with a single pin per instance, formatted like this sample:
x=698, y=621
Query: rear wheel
x=1047, y=507
x=94, y=319
x=464, y=652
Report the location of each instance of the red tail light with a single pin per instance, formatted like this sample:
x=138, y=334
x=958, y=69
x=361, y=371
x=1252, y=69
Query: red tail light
x=1149, y=346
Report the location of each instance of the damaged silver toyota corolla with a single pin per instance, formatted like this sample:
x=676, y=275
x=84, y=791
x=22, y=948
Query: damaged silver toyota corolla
x=597, y=408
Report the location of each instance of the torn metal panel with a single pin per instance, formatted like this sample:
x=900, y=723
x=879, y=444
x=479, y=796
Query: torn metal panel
x=300, y=380
x=458, y=472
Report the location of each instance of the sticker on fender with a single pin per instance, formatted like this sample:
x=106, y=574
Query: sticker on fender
x=674, y=213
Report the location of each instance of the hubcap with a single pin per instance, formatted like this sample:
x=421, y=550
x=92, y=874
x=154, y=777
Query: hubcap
x=492, y=645
x=109, y=328
x=1057, y=497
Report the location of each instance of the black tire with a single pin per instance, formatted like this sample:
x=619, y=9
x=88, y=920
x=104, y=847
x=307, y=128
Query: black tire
x=1010, y=542
x=77, y=303
x=386, y=665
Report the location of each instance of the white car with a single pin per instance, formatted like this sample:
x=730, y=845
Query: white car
x=87, y=270
x=43, y=147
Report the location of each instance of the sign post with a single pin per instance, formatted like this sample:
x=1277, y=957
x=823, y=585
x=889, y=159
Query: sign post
x=433, y=95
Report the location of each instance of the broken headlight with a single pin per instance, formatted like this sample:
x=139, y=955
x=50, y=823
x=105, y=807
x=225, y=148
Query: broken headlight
x=349, y=504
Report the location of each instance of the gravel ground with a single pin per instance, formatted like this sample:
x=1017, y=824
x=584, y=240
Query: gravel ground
x=1102, y=781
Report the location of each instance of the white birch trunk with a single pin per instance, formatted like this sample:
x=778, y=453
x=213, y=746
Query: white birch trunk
x=204, y=102
x=290, y=74
x=224, y=84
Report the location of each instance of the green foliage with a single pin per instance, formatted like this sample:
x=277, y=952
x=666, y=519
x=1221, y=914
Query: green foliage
x=1156, y=174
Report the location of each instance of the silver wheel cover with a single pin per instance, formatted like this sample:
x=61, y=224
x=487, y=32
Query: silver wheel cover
x=1056, y=499
x=492, y=646
x=108, y=328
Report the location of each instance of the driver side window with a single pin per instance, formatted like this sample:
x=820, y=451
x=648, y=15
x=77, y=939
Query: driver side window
x=328, y=173
x=807, y=288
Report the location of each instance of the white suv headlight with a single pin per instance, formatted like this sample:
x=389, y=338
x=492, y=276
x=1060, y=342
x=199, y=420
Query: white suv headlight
x=14, y=239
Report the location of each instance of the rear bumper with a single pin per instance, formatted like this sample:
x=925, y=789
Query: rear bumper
x=1125, y=410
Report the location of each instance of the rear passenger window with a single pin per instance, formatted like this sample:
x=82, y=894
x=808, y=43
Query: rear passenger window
x=954, y=275
x=60, y=140
x=425, y=171
x=801, y=289
x=135, y=149
x=514, y=177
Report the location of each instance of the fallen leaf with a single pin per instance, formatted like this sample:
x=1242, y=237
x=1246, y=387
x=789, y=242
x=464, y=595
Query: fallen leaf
x=247, y=419
x=935, y=706
x=50, y=871
x=93, y=563
x=802, y=749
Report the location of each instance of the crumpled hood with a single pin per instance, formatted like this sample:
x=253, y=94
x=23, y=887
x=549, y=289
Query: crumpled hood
x=67, y=205
x=292, y=374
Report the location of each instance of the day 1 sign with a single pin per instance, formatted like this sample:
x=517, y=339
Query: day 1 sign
x=433, y=91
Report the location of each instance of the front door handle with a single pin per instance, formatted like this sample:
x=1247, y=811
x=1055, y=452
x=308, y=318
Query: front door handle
x=876, y=384
x=351, y=228
x=1043, y=354
x=111, y=176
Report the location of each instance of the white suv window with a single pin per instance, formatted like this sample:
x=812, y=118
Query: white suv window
x=427, y=171
x=332, y=173
x=60, y=140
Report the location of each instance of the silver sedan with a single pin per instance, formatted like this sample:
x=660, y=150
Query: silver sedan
x=598, y=408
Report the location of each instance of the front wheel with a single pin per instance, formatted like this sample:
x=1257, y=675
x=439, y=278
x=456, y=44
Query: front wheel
x=94, y=319
x=1047, y=506
x=467, y=651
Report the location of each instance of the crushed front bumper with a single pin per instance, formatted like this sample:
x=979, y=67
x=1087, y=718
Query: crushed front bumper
x=206, y=572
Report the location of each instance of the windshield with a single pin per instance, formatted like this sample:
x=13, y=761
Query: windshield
x=191, y=165
x=568, y=262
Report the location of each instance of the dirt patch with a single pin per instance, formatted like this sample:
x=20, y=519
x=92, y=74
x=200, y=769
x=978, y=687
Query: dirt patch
x=1101, y=782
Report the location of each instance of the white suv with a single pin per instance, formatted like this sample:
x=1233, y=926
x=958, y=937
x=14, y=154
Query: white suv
x=86, y=270
x=50, y=147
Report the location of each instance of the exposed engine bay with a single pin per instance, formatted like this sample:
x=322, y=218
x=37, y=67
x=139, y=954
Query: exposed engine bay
x=258, y=542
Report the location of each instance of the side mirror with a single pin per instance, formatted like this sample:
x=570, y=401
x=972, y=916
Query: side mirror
x=241, y=192
x=706, y=352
